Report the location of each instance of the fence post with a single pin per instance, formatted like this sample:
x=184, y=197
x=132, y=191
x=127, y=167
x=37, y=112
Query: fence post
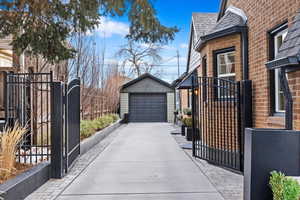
x=246, y=104
x=57, y=130
x=246, y=114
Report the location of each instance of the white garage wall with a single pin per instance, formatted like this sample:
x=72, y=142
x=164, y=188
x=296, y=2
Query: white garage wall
x=171, y=107
x=124, y=104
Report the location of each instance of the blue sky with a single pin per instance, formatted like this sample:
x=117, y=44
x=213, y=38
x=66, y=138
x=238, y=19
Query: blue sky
x=171, y=13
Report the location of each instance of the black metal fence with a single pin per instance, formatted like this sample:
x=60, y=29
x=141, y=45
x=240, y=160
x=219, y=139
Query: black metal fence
x=72, y=127
x=28, y=102
x=217, y=121
x=66, y=126
x=50, y=111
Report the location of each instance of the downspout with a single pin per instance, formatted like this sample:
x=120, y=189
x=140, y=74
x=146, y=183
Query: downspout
x=288, y=100
x=245, y=58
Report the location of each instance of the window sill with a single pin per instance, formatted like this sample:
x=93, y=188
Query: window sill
x=278, y=120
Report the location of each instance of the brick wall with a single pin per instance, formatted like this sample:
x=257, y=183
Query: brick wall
x=219, y=118
x=263, y=15
x=184, y=99
x=222, y=43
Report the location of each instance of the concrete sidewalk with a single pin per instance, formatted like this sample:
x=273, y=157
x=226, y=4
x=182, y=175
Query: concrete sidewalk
x=143, y=162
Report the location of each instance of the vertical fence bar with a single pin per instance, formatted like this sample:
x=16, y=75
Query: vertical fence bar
x=193, y=114
x=66, y=125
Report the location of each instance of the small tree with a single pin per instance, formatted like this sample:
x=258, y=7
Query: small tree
x=43, y=27
x=140, y=58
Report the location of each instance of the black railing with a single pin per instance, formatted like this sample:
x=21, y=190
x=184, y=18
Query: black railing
x=217, y=122
x=28, y=100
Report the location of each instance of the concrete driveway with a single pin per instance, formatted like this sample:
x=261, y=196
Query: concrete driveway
x=143, y=162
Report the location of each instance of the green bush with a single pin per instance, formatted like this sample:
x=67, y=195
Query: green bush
x=188, y=121
x=89, y=127
x=284, y=188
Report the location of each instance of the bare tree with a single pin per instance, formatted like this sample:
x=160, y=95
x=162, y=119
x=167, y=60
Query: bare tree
x=139, y=58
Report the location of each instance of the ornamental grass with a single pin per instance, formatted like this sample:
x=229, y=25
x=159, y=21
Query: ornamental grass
x=10, y=138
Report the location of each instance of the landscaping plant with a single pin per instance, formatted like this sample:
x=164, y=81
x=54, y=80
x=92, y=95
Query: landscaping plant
x=284, y=188
x=188, y=121
x=89, y=127
x=10, y=138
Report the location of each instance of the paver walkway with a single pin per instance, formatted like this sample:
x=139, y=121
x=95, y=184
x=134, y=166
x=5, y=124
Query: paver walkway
x=143, y=162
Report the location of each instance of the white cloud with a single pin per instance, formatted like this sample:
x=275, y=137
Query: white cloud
x=108, y=28
x=183, y=45
x=165, y=47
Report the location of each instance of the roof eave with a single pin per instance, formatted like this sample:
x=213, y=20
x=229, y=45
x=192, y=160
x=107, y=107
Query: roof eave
x=285, y=62
x=186, y=82
x=222, y=33
x=143, y=76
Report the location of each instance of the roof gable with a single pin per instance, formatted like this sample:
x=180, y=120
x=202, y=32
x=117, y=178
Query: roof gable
x=229, y=20
x=201, y=24
x=144, y=77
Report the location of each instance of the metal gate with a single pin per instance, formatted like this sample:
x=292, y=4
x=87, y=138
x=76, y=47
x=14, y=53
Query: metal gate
x=28, y=102
x=72, y=122
x=66, y=126
x=217, y=123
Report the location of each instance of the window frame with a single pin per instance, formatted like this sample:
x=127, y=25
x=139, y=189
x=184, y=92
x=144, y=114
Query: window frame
x=216, y=53
x=273, y=74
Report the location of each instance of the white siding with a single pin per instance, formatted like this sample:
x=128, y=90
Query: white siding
x=124, y=101
x=195, y=57
x=171, y=107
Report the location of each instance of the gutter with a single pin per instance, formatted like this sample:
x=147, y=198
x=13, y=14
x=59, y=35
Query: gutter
x=245, y=52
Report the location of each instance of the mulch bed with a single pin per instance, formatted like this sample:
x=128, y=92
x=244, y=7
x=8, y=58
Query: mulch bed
x=19, y=168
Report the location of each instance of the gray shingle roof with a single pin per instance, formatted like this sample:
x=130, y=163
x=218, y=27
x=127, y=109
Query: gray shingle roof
x=203, y=22
x=229, y=20
x=289, y=52
x=291, y=45
x=233, y=21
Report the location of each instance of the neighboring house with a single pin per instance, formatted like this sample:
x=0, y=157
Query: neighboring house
x=147, y=99
x=253, y=40
x=30, y=96
x=201, y=24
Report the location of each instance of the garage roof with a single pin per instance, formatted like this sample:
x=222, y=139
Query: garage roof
x=144, y=76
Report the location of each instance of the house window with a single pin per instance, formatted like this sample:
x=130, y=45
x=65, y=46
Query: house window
x=6, y=58
x=226, y=65
x=277, y=95
x=225, y=72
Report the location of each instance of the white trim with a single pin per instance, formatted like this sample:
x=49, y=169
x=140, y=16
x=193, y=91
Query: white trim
x=226, y=75
x=282, y=33
x=237, y=11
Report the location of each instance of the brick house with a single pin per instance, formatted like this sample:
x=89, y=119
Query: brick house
x=37, y=96
x=251, y=40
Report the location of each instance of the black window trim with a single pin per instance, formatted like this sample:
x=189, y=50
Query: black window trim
x=271, y=73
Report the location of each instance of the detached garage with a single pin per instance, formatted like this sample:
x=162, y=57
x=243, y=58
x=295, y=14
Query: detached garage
x=147, y=99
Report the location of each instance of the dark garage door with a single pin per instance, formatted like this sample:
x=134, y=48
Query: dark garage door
x=148, y=108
